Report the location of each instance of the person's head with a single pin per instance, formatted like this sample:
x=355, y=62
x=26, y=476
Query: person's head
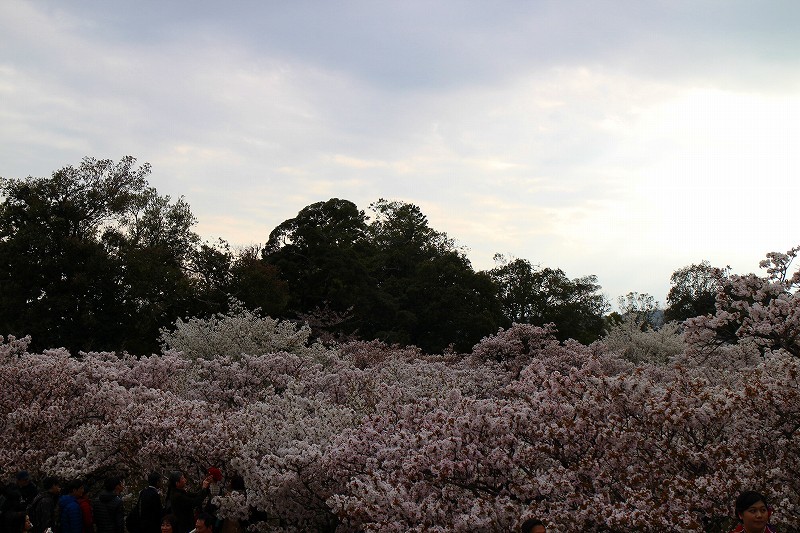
x=154, y=479
x=50, y=484
x=753, y=510
x=75, y=488
x=168, y=524
x=114, y=484
x=177, y=480
x=23, y=478
x=204, y=523
x=532, y=525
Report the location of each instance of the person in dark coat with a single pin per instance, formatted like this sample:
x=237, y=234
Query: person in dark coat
x=183, y=503
x=150, y=505
x=20, y=493
x=108, y=509
x=42, y=510
x=27, y=490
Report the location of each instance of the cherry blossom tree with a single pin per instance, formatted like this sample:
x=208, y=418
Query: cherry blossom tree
x=634, y=339
x=765, y=310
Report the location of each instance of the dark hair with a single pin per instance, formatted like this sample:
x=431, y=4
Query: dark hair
x=528, y=525
x=111, y=483
x=73, y=485
x=207, y=519
x=154, y=478
x=174, y=477
x=169, y=518
x=49, y=482
x=747, y=499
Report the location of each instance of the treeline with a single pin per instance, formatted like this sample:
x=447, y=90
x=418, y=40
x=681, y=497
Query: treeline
x=93, y=258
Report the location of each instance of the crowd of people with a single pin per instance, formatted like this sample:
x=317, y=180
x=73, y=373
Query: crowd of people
x=67, y=508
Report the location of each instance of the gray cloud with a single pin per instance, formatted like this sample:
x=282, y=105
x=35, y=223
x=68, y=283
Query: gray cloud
x=555, y=131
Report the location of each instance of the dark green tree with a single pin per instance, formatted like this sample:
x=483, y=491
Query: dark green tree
x=92, y=258
x=533, y=295
x=429, y=294
x=320, y=254
x=394, y=278
x=450, y=303
x=153, y=243
x=257, y=284
x=220, y=273
x=693, y=291
x=57, y=281
x=210, y=267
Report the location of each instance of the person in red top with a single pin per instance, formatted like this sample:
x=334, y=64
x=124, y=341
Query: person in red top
x=86, y=513
x=753, y=512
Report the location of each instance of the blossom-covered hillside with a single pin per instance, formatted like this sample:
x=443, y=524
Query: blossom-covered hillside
x=365, y=436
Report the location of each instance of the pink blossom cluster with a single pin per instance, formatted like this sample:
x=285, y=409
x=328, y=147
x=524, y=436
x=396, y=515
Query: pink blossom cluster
x=369, y=437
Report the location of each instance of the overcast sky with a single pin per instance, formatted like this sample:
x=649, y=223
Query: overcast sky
x=624, y=139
